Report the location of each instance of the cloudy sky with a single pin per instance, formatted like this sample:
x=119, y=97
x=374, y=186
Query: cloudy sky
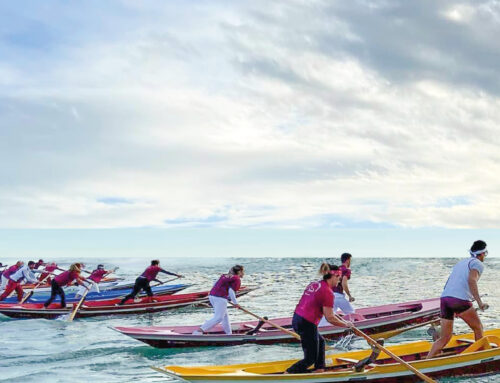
x=254, y=114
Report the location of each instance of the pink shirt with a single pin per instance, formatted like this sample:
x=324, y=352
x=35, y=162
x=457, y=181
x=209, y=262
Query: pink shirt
x=11, y=270
x=151, y=272
x=226, y=281
x=316, y=296
x=66, y=277
x=97, y=275
x=50, y=268
x=346, y=273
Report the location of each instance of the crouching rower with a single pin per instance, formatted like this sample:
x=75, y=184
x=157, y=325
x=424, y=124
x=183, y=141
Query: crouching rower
x=457, y=296
x=142, y=282
x=316, y=301
x=64, y=279
x=225, y=288
x=17, y=278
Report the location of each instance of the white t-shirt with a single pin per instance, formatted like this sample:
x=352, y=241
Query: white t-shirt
x=457, y=285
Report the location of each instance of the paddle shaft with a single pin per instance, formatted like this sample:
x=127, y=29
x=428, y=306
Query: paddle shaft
x=360, y=333
x=391, y=333
x=162, y=283
x=29, y=294
x=77, y=307
x=292, y=333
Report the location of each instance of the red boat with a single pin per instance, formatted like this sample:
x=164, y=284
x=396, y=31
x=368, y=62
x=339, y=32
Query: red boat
x=109, y=307
x=371, y=320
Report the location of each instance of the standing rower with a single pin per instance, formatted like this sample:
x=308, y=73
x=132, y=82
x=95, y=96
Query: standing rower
x=61, y=280
x=16, y=278
x=142, y=282
x=224, y=289
x=316, y=301
x=39, y=263
x=8, y=272
x=459, y=292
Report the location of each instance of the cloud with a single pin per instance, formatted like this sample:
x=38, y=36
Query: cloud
x=221, y=114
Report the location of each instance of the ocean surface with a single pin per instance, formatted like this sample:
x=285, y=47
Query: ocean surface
x=88, y=350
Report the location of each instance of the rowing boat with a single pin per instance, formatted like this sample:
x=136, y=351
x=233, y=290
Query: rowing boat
x=461, y=357
x=110, y=280
x=109, y=306
x=41, y=297
x=371, y=320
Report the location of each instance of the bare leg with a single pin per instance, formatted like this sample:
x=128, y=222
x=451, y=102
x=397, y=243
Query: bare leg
x=472, y=319
x=446, y=332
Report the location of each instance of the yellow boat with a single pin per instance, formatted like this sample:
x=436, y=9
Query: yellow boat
x=462, y=356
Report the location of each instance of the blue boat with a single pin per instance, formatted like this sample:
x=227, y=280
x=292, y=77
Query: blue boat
x=40, y=297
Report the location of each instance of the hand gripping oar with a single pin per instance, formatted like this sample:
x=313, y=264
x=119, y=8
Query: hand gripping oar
x=30, y=294
x=372, y=342
x=292, y=333
x=77, y=307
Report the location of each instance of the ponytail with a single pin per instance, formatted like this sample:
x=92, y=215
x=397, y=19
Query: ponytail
x=326, y=267
x=327, y=274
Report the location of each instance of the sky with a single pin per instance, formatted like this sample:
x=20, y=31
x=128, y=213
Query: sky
x=252, y=117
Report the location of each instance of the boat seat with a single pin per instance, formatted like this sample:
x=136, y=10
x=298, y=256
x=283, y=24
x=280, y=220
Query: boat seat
x=348, y=360
x=485, y=344
x=250, y=327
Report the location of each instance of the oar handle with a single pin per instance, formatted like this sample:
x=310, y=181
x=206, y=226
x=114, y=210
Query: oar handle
x=292, y=333
x=422, y=376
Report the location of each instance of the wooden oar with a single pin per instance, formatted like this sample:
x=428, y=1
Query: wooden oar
x=29, y=294
x=292, y=333
x=391, y=333
x=371, y=341
x=162, y=283
x=77, y=307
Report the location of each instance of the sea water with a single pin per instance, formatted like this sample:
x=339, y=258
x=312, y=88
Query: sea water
x=88, y=350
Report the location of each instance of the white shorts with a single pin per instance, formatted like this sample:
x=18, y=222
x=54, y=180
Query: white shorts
x=340, y=302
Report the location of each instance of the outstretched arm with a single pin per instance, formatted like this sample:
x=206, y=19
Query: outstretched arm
x=169, y=273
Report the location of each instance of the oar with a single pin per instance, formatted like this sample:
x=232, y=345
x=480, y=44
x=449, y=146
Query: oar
x=28, y=295
x=391, y=333
x=77, y=307
x=163, y=282
x=371, y=341
x=292, y=333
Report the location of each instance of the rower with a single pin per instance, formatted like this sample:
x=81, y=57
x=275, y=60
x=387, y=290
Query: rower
x=142, y=282
x=61, y=280
x=16, y=278
x=316, y=301
x=49, y=269
x=96, y=276
x=39, y=263
x=459, y=291
x=8, y=272
x=224, y=289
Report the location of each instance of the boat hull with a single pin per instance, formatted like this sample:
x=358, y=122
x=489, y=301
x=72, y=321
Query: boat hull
x=95, y=296
x=461, y=359
x=109, y=307
x=398, y=316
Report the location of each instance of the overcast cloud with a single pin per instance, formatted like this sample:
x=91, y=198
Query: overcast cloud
x=251, y=114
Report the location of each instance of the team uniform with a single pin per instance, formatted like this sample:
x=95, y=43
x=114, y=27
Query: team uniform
x=6, y=274
x=224, y=289
x=15, y=281
x=306, y=318
x=96, y=276
x=341, y=302
x=57, y=284
x=142, y=282
x=457, y=297
x=50, y=268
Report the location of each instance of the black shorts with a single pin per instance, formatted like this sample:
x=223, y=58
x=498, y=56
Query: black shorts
x=451, y=306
